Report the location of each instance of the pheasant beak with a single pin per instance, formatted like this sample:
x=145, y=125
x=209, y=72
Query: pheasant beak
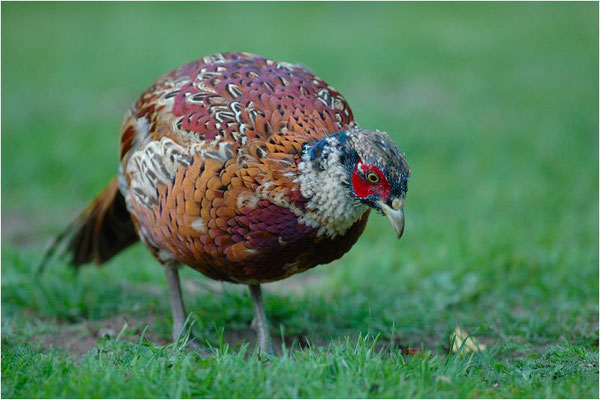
x=395, y=214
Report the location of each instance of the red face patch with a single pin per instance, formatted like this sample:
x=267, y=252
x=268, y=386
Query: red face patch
x=368, y=180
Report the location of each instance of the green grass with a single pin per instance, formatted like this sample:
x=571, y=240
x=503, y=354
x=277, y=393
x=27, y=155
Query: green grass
x=496, y=107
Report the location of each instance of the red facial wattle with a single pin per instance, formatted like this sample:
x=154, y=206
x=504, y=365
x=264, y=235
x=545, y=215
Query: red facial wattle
x=363, y=188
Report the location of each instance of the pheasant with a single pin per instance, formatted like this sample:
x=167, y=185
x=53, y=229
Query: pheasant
x=247, y=170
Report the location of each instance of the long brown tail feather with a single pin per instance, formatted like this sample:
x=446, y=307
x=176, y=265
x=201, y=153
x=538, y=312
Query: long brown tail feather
x=98, y=233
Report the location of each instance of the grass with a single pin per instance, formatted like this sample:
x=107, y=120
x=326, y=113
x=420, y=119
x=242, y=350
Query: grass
x=496, y=107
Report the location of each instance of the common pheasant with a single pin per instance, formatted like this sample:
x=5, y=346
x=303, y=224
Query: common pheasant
x=247, y=170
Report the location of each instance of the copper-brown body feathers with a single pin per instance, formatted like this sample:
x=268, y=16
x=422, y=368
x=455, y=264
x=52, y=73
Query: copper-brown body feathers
x=209, y=171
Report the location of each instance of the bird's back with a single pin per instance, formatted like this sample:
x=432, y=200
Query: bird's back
x=232, y=99
x=209, y=157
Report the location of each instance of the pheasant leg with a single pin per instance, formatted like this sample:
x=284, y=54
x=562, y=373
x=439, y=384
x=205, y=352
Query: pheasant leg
x=259, y=323
x=177, y=308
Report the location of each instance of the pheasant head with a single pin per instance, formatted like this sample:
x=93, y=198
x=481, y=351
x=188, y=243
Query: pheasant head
x=348, y=172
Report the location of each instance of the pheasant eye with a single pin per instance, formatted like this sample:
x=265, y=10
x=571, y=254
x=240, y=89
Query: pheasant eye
x=372, y=177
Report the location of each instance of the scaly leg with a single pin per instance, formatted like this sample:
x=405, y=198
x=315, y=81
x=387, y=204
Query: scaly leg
x=259, y=323
x=177, y=308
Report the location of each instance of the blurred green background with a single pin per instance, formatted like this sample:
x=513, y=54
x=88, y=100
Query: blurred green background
x=494, y=104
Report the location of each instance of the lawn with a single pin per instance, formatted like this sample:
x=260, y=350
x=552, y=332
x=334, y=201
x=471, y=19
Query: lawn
x=496, y=108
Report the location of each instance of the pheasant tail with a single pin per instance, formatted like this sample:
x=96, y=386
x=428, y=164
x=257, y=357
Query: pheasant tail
x=98, y=233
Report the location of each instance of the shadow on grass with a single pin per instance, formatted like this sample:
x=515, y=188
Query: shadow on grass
x=75, y=310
